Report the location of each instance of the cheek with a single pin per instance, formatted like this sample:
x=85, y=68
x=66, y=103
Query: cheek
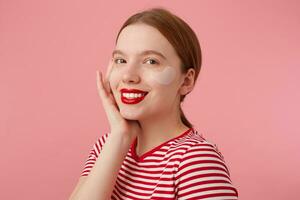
x=165, y=77
x=115, y=77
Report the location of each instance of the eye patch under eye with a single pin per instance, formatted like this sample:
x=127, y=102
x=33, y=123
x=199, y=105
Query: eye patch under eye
x=164, y=77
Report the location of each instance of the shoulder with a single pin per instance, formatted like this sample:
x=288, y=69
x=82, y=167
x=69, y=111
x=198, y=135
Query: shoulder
x=201, y=168
x=201, y=153
x=195, y=142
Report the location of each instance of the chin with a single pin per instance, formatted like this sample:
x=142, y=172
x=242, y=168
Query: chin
x=129, y=115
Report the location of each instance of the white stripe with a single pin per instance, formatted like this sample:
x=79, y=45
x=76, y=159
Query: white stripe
x=147, y=192
x=201, y=179
x=146, y=164
x=201, y=186
x=148, y=170
x=203, y=152
x=199, y=158
x=143, y=179
x=166, y=155
x=150, y=175
x=208, y=192
x=203, y=172
x=195, y=166
x=135, y=183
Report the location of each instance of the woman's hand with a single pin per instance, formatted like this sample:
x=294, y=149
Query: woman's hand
x=118, y=124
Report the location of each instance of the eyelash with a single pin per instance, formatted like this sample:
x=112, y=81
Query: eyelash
x=115, y=61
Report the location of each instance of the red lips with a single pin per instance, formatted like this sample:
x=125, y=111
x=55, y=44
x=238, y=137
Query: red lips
x=132, y=90
x=132, y=100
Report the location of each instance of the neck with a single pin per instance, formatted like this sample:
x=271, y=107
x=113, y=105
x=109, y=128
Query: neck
x=159, y=129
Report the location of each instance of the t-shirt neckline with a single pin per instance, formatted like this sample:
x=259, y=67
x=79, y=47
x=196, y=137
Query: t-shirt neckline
x=143, y=156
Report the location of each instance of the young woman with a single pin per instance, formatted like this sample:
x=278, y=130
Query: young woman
x=152, y=151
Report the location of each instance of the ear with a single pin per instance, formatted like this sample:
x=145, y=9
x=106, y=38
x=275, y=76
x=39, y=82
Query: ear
x=188, y=82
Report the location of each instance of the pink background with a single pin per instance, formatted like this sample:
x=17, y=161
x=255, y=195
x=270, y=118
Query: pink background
x=245, y=100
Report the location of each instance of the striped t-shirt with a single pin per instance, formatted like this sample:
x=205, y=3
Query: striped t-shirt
x=185, y=167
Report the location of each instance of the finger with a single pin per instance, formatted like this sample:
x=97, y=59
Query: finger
x=109, y=69
x=109, y=107
x=107, y=77
x=101, y=90
x=107, y=95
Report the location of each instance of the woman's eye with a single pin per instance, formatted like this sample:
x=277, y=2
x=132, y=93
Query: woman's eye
x=153, y=61
x=117, y=60
x=150, y=61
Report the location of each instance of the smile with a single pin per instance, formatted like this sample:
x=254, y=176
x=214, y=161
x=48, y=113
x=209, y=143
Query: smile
x=132, y=96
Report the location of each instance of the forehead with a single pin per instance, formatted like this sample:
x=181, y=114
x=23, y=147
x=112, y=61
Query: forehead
x=137, y=38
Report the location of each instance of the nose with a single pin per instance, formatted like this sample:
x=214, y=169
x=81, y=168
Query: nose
x=131, y=75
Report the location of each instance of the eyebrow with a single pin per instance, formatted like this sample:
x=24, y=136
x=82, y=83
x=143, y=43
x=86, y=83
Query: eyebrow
x=146, y=52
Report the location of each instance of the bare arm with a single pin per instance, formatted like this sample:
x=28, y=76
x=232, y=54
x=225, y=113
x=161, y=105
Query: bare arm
x=100, y=182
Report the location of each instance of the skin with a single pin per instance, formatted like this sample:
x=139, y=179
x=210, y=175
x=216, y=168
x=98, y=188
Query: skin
x=158, y=114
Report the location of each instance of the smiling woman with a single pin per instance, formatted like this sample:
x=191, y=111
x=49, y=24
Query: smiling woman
x=152, y=150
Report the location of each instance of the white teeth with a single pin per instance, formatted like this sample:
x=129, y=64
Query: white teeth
x=132, y=95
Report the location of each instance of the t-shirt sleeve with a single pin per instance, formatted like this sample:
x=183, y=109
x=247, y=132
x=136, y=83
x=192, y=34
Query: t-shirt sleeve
x=93, y=155
x=203, y=174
